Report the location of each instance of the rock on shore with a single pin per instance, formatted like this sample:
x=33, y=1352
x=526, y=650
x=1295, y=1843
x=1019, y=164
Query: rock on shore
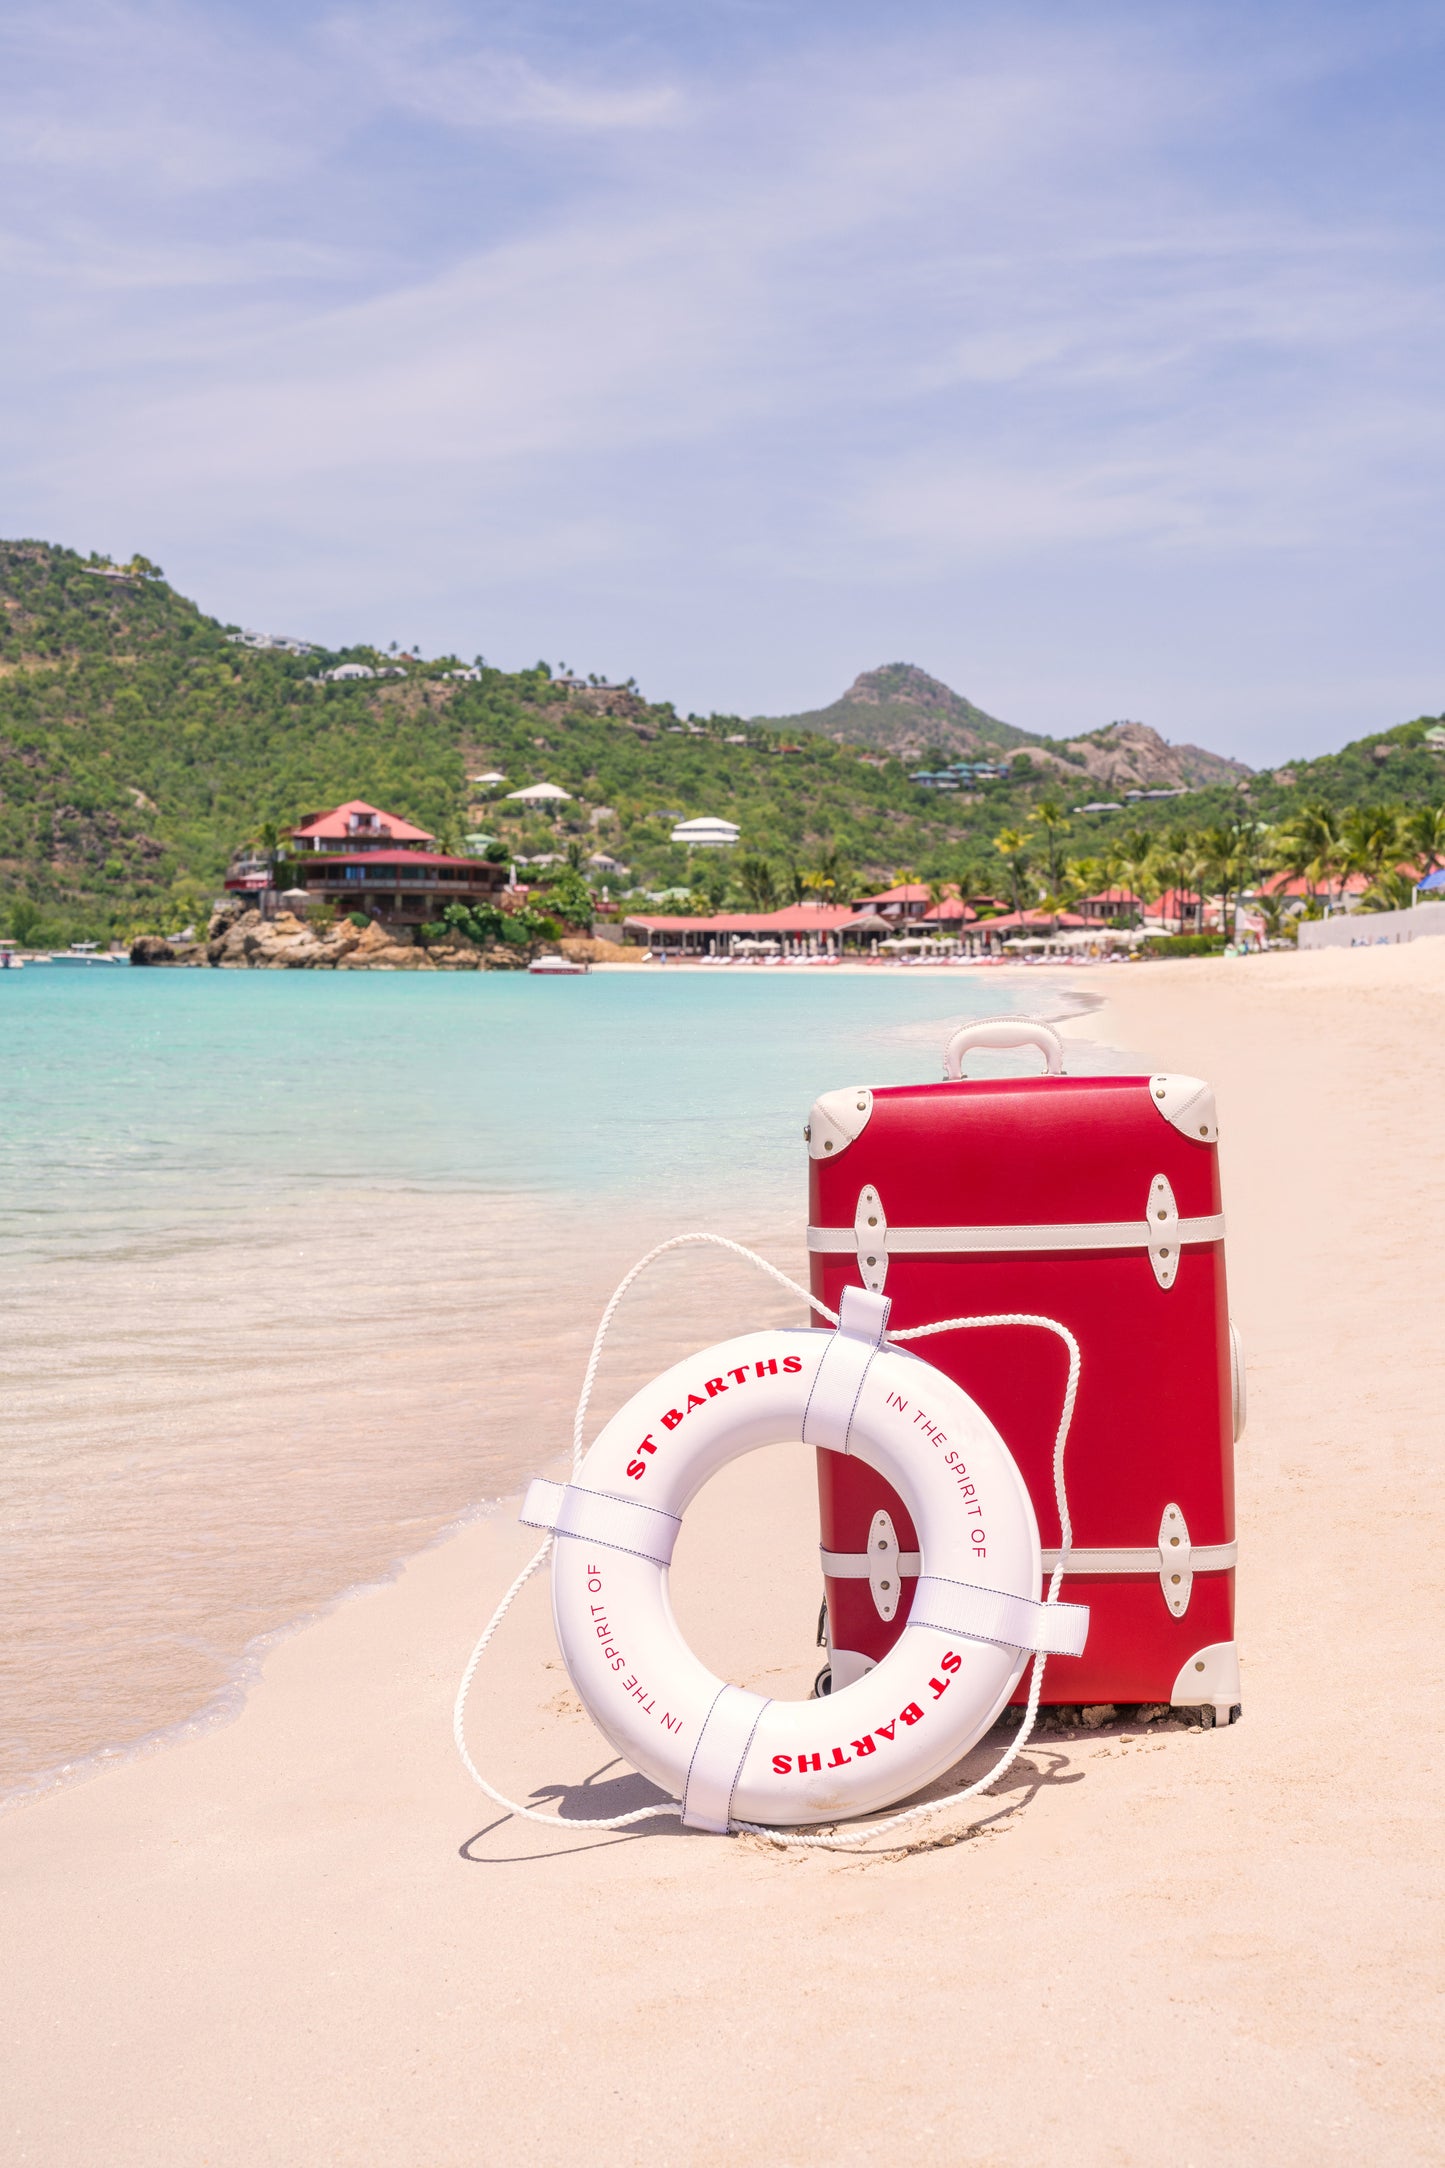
x=240, y=939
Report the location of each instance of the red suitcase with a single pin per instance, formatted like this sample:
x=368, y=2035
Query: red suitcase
x=1093, y=1200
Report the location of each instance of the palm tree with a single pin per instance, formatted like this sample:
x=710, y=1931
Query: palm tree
x=1369, y=842
x=1176, y=859
x=828, y=876
x=1422, y=836
x=756, y=880
x=1052, y=819
x=1135, y=856
x=1013, y=845
x=1311, y=844
x=1274, y=910
x=1229, y=852
x=1393, y=891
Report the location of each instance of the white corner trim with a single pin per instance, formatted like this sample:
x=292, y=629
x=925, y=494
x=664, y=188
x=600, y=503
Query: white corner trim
x=1163, y=1231
x=1187, y=1104
x=837, y=1118
x=1210, y=1675
x=870, y=1232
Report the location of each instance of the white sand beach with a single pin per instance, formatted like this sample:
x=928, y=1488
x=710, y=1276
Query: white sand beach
x=303, y=1937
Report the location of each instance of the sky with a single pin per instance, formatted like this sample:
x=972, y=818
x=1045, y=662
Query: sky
x=1089, y=356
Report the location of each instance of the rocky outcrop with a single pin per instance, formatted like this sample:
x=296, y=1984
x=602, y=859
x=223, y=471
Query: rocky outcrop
x=153, y=948
x=584, y=948
x=240, y=939
x=1131, y=756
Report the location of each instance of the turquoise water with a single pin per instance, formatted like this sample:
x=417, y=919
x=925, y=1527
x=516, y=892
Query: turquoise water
x=137, y=1100
x=297, y=1269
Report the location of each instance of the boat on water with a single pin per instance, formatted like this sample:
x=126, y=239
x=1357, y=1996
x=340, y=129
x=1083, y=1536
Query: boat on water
x=557, y=967
x=9, y=961
x=82, y=952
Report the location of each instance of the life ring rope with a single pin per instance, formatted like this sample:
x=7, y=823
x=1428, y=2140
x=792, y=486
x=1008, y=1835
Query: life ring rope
x=734, y=1704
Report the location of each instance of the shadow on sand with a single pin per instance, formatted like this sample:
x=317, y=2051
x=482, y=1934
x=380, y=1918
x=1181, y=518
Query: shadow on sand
x=601, y=1794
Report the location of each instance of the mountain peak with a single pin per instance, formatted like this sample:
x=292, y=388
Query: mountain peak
x=899, y=708
x=903, y=682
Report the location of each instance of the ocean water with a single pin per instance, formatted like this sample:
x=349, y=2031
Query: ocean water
x=296, y=1270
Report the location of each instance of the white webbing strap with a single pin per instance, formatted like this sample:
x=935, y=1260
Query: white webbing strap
x=717, y=1759
x=615, y=1524
x=1204, y=1558
x=988, y=1614
x=857, y=1565
x=983, y=1241
x=862, y=1322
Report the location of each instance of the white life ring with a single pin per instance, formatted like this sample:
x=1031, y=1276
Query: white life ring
x=730, y=1755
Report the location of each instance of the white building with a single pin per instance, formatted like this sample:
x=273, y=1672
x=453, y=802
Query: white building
x=542, y=794
x=707, y=833
x=347, y=670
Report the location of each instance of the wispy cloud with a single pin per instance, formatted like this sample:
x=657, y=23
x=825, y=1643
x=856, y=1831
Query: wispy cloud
x=425, y=61
x=582, y=332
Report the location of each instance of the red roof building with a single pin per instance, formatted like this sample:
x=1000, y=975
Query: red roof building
x=1111, y=903
x=908, y=901
x=359, y=858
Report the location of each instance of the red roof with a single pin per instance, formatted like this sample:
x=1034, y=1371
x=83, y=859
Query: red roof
x=1116, y=895
x=1045, y=920
x=910, y=892
x=952, y=907
x=1175, y=902
x=1285, y=884
x=354, y=818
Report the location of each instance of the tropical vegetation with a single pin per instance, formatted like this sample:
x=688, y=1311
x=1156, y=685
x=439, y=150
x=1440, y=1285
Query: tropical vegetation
x=142, y=743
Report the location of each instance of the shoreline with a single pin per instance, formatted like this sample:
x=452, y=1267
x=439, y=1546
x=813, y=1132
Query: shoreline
x=226, y=1266
x=303, y=1935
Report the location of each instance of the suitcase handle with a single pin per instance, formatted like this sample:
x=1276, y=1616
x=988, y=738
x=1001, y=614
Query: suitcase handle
x=1004, y=1031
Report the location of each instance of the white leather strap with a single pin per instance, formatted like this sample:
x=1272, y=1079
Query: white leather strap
x=854, y=1565
x=718, y=1757
x=988, y=1614
x=1073, y=1235
x=616, y=1524
x=1204, y=1558
x=862, y=1322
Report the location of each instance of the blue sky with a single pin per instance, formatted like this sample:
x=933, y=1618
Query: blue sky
x=1092, y=357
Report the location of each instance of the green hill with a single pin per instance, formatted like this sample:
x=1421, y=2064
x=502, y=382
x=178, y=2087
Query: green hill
x=140, y=744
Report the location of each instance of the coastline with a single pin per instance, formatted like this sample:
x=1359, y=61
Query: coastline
x=293, y=1374
x=362, y=1961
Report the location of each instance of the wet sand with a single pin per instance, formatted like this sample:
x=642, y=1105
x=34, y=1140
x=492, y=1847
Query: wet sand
x=304, y=1937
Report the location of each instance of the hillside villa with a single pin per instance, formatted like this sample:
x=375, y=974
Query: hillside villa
x=360, y=858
